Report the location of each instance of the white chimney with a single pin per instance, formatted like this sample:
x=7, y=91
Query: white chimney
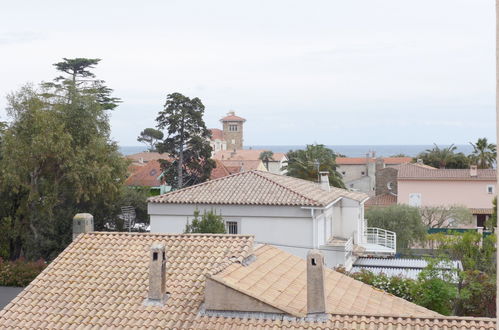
x=316, y=290
x=324, y=180
x=82, y=223
x=157, y=275
x=473, y=171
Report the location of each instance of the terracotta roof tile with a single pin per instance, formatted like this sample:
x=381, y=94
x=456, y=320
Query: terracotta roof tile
x=216, y=134
x=219, y=171
x=481, y=211
x=257, y=188
x=246, y=154
x=146, y=156
x=145, y=176
x=101, y=279
x=364, y=160
x=381, y=200
x=418, y=172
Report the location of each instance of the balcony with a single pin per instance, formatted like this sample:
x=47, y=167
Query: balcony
x=378, y=241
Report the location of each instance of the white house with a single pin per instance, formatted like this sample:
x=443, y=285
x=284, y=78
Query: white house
x=293, y=214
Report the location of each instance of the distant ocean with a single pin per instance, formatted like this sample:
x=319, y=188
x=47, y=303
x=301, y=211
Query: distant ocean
x=349, y=151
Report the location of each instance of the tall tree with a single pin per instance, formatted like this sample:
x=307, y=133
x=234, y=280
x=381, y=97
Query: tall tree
x=58, y=161
x=187, y=141
x=306, y=164
x=266, y=157
x=150, y=137
x=484, y=153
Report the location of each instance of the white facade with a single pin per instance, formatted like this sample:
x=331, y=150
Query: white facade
x=294, y=229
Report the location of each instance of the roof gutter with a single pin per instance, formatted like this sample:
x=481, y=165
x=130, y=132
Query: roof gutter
x=323, y=207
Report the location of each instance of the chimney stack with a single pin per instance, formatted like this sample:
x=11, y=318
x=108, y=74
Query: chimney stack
x=82, y=223
x=473, y=171
x=324, y=180
x=157, y=275
x=316, y=291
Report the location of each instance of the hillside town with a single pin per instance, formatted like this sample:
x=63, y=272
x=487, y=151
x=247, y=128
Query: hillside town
x=202, y=229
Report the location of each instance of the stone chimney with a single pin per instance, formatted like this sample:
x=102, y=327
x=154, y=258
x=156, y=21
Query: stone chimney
x=473, y=171
x=325, y=181
x=157, y=274
x=231, y=113
x=316, y=291
x=82, y=223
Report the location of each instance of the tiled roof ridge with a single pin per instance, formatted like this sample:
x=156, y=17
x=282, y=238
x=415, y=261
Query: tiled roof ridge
x=172, y=193
x=164, y=234
x=285, y=187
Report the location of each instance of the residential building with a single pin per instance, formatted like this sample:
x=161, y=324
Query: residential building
x=148, y=175
x=359, y=174
x=217, y=141
x=294, y=214
x=121, y=280
x=249, y=159
x=473, y=188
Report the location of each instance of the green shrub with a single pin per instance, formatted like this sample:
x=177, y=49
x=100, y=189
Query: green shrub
x=209, y=222
x=19, y=272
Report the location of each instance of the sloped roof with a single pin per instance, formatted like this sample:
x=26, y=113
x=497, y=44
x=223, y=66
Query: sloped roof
x=145, y=176
x=216, y=134
x=246, y=154
x=418, y=172
x=364, y=160
x=244, y=165
x=101, y=281
x=147, y=156
x=381, y=200
x=219, y=171
x=279, y=279
x=257, y=188
x=232, y=117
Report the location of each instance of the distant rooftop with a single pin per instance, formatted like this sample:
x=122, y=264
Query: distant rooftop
x=231, y=116
x=418, y=172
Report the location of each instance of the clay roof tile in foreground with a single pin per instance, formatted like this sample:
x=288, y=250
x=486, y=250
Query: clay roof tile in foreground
x=257, y=188
x=101, y=281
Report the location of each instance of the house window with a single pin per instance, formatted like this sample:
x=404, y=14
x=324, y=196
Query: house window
x=232, y=227
x=415, y=199
x=343, y=172
x=490, y=189
x=362, y=173
x=232, y=128
x=389, y=185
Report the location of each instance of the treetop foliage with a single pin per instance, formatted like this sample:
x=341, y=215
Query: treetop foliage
x=307, y=163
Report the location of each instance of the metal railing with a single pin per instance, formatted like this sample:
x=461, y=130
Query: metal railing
x=381, y=237
x=349, y=248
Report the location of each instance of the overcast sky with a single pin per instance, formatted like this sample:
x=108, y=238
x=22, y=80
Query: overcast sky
x=333, y=72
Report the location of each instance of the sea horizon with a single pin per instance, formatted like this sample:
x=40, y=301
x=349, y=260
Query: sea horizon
x=347, y=150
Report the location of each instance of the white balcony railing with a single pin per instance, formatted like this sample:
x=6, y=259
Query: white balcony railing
x=381, y=237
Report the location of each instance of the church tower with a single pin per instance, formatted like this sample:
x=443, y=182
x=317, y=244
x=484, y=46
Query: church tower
x=233, y=131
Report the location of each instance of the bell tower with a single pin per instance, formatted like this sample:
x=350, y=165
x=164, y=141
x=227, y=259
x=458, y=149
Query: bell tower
x=233, y=131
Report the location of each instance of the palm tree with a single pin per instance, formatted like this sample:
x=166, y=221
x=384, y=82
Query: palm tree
x=306, y=164
x=442, y=156
x=266, y=157
x=484, y=153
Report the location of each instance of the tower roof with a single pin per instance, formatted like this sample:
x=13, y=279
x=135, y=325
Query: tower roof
x=231, y=116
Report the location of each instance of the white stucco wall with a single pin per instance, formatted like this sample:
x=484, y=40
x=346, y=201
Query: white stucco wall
x=277, y=225
x=289, y=228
